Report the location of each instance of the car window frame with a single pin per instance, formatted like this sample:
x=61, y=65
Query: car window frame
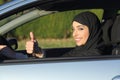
x=58, y=60
x=31, y=15
x=109, y=57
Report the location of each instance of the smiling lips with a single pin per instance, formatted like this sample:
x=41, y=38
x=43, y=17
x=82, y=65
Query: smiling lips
x=78, y=39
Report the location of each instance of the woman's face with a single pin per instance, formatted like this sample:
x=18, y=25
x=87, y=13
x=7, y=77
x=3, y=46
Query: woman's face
x=80, y=33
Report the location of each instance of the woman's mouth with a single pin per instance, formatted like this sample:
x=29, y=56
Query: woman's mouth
x=77, y=39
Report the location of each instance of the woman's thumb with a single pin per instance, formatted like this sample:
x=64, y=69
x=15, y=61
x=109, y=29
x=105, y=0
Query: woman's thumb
x=32, y=38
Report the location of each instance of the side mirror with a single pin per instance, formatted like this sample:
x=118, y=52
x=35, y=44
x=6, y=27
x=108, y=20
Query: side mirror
x=13, y=43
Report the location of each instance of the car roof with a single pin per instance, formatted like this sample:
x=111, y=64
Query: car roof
x=80, y=4
x=58, y=5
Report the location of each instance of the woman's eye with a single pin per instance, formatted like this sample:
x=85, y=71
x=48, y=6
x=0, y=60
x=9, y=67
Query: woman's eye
x=80, y=29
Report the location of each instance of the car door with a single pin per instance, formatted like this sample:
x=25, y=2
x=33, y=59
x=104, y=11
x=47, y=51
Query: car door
x=105, y=68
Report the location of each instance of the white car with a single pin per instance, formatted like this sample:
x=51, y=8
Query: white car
x=19, y=12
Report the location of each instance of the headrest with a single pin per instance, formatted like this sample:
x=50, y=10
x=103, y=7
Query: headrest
x=115, y=31
x=106, y=28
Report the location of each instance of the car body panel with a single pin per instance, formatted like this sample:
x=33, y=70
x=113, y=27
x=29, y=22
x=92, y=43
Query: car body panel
x=73, y=70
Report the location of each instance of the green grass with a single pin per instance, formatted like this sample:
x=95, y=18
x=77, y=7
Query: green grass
x=50, y=43
x=1, y=1
x=46, y=26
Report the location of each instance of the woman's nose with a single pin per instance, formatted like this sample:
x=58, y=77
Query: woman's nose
x=75, y=33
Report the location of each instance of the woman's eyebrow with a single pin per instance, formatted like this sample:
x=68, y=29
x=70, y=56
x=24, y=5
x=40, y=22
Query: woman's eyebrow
x=80, y=25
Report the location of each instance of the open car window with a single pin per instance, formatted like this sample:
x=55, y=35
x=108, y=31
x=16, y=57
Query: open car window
x=35, y=18
x=52, y=29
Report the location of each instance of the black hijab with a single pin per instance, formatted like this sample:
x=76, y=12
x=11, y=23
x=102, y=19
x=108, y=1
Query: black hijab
x=91, y=47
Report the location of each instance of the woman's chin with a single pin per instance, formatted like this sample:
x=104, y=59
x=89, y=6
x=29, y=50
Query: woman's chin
x=78, y=44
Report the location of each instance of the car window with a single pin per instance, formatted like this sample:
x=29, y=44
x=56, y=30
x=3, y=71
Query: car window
x=51, y=31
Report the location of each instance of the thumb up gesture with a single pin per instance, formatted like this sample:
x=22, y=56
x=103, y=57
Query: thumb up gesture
x=33, y=48
x=30, y=44
x=32, y=38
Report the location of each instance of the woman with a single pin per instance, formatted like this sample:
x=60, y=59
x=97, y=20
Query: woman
x=86, y=33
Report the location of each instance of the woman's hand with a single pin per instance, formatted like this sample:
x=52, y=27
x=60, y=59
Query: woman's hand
x=2, y=46
x=33, y=48
x=30, y=44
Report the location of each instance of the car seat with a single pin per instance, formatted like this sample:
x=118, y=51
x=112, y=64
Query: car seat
x=109, y=17
x=115, y=36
